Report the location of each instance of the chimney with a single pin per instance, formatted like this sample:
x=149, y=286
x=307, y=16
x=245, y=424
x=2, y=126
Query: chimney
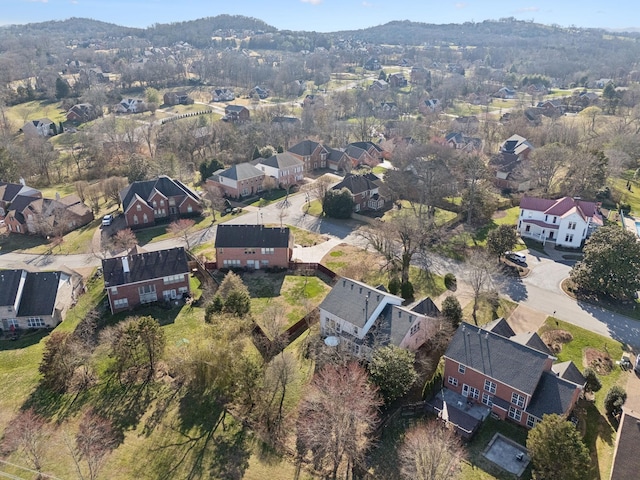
x=22, y=182
x=125, y=264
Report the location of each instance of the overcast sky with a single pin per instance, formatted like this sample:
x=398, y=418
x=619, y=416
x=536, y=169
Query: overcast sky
x=328, y=15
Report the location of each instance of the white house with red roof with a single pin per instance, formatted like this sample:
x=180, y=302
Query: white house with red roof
x=565, y=221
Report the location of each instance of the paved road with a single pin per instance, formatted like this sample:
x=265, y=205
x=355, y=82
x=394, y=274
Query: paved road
x=539, y=291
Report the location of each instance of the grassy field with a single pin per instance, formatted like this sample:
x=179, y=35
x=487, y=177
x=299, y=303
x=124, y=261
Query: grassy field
x=599, y=432
x=441, y=216
x=485, y=311
x=160, y=232
x=20, y=114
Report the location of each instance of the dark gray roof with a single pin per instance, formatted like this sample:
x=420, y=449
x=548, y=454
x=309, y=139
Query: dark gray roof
x=395, y=323
x=10, y=191
x=355, y=301
x=235, y=108
x=21, y=202
x=144, y=266
x=280, y=161
x=553, y=395
x=533, y=340
x=165, y=185
x=306, y=147
x=426, y=307
x=241, y=171
x=626, y=462
x=251, y=236
x=501, y=327
x=39, y=294
x=9, y=283
x=355, y=184
x=569, y=371
x=502, y=359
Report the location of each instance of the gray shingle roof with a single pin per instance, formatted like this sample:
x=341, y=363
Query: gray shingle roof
x=9, y=283
x=144, y=266
x=241, y=171
x=280, y=161
x=251, y=236
x=501, y=327
x=396, y=322
x=626, y=462
x=500, y=358
x=306, y=147
x=39, y=294
x=355, y=301
x=165, y=185
x=355, y=184
x=553, y=395
x=533, y=340
x=570, y=372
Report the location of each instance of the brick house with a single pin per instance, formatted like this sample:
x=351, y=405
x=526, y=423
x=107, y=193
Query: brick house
x=164, y=198
x=253, y=246
x=566, y=221
x=364, y=191
x=236, y=114
x=364, y=153
x=46, y=216
x=512, y=375
x=82, y=112
x=238, y=181
x=36, y=299
x=10, y=191
x=177, y=98
x=145, y=277
x=285, y=168
x=362, y=318
x=312, y=154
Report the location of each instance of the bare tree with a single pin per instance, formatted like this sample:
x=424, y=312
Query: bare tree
x=29, y=433
x=93, y=194
x=81, y=186
x=96, y=437
x=111, y=188
x=124, y=240
x=430, y=451
x=546, y=163
x=482, y=277
x=182, y=229
x=337, y=417
x=215, y=199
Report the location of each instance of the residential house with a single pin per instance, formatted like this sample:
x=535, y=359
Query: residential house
x=360, y=318
x=505, y=92
x=285, y=168
x=372, y=64
x=387, y=110
x=82, y=112
x=397, y=80
x=146, y=202
x=261, y=92
x=517, y=145
x=565, y=221
x=286, y=121
x=459, y=141
x=36, y=299
x=139, y=278
x=338, y=160
x=551, y=108
x=312, y=154
x=466, y=124
x=131, y=105
x=364, y=153
x=240, y=180
x=626, y=462
x=513, y=375
x=379, y=86
x=42, y=127
x=420, y=76
x=253, y=246
x=430, y=105
x=364, y=191
x=45, y=216
x=236, y=114
x=223, y=95
x=10, y=191
x=509, y=172
x=177, y=98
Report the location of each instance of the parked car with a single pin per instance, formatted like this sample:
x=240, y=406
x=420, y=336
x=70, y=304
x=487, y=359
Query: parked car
x=516, y=257
x=107, y=220
x=637, y=366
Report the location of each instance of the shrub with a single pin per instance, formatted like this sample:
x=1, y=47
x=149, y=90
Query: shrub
x=450, y=281
x=407, y=291
x=452, y=310
x=616, y=396
x=624, y=208
x=593, y=382
x=394, y=286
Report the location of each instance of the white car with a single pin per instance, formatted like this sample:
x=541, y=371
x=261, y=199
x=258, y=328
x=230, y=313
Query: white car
x=516, y=257
x=106, y=220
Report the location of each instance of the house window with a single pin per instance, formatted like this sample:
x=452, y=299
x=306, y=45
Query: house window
x=452, y=381
x=231, y=263
x=120, y=303
x=532, y=421
x=162, y=203
x=555, y=219
x=135, y=219
x=145, y=219
x=489, y=386
x=114, y=290
x=173, y=279
x=268, y=251
x=35, y=322
x=522, y=213
x=572, y=226
x=147, y=293
x=265, y=263
x=472, y=392
x=357, y=207
x=515, y=413
x=568, y=238
x=249, y=251
x=517, y=400
x=183, y=290
x=528, y=228
x=12, y=323
x=189, y=209
x=487, y=399
x=414, y=329
x=138, y=208
x=546, y=218
x=462, y=369
x=155, y=204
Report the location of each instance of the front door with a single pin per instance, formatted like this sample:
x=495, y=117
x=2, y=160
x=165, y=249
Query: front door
x=551, y=235
x=465, y=390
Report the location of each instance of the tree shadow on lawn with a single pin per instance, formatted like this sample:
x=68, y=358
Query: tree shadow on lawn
x=22, y=340
x=50, y=404
x=263, y=285
x=203, y=442
x=594, y=426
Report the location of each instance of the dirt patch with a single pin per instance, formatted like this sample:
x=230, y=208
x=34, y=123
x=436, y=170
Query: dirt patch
x=499, y=214
x=555, y=339
x=598, y=360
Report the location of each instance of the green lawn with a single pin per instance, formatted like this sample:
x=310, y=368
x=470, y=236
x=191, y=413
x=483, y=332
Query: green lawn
x=501, y=217
x=315, y=208
x=159, y=232
x=485, y=311
x=619, y=185
x=23, y=112
x=441, y=216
